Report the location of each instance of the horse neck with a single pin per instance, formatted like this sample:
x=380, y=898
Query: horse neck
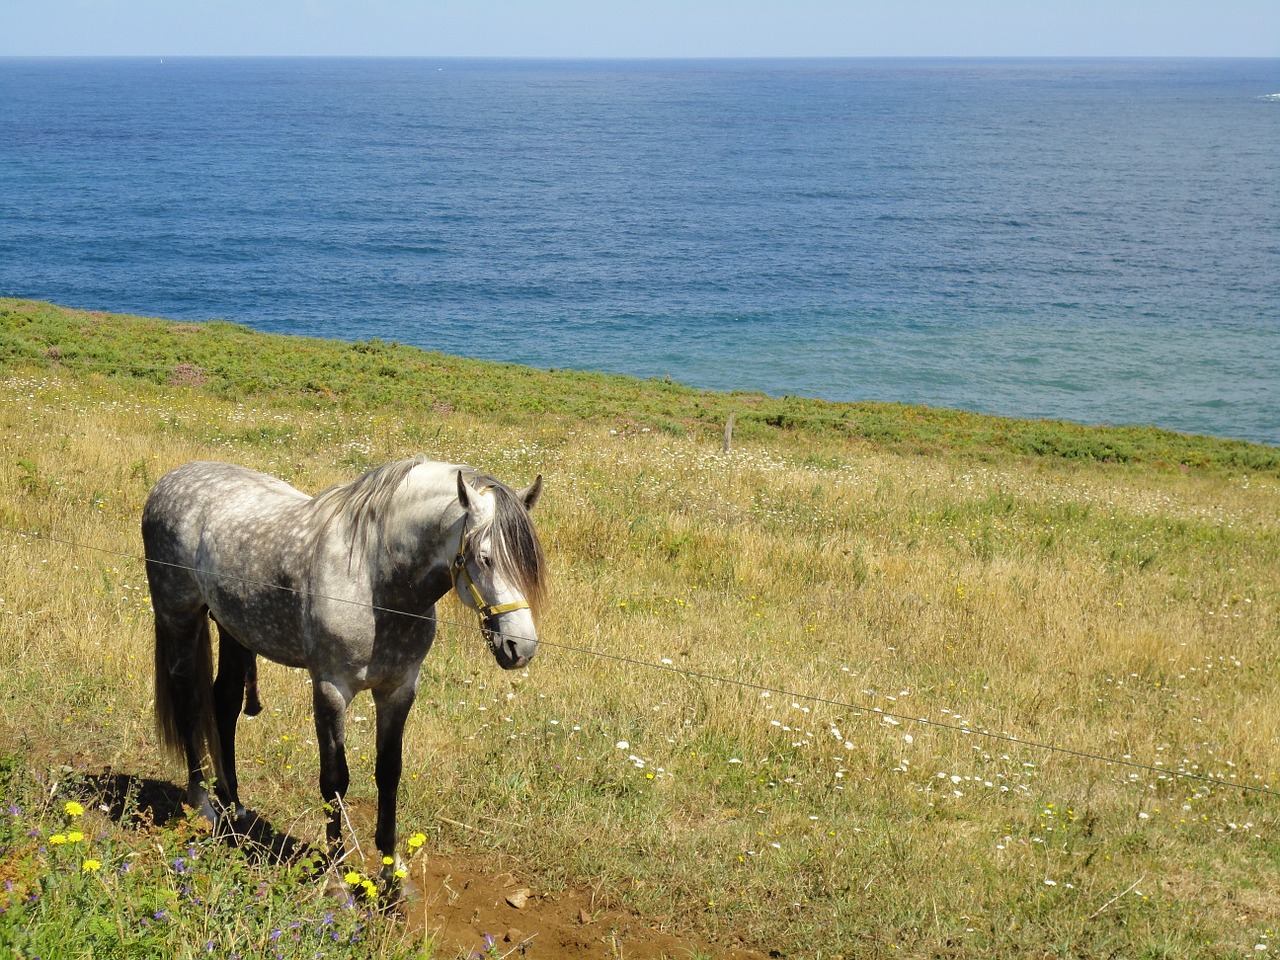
x=421, y=534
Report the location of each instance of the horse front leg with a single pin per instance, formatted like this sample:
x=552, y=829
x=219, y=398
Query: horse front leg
x=393, y=711
x=331, y=703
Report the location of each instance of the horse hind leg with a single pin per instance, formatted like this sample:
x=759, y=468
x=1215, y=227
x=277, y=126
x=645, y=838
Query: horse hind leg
x=183, y=700
x=237, y=672
x=252, y=703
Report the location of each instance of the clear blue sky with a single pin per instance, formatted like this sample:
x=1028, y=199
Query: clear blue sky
x=641, y=28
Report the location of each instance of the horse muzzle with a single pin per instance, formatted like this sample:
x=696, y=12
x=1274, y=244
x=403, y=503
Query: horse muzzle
x=512, y=650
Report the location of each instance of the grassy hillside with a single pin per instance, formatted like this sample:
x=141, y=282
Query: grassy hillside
x=231, y=362
x=913, y=606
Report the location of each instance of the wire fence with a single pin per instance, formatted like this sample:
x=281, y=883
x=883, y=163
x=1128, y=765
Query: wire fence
x=703, y=677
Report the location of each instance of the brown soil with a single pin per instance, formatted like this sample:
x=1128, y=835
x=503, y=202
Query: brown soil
x=458, y=904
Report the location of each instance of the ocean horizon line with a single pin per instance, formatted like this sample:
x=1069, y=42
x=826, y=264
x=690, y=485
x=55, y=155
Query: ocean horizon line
x=641, y=58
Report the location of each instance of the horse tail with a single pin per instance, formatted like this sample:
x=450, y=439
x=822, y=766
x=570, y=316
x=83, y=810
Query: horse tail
x=185, y=721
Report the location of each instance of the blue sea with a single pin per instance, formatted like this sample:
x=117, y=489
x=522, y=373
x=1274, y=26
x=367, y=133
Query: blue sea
x=1092, y=240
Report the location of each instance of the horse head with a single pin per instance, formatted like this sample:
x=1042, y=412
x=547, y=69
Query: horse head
x=499, y=570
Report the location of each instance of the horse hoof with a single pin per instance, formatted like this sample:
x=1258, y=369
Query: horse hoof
x=409, y=892
x=204, y=806
x=234, y=822
x=397, y=895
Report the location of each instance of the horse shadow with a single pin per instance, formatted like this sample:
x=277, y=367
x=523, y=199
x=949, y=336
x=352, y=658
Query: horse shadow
x=142, y=802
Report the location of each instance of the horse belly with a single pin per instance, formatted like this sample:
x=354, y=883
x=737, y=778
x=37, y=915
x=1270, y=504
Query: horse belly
x=269, y=630
x=251, y=577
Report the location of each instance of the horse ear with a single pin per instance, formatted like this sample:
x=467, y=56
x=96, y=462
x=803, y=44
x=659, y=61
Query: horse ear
x=532, y=493
x=464, y=496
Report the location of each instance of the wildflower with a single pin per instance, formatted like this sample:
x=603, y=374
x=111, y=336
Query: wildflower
x=90, y=865
x=370, y=888
x=388, y=861
x=352, y=877
x=58, y=839
x=401, y=873
x=417, y=840
x=74, y=809
x=74, y=836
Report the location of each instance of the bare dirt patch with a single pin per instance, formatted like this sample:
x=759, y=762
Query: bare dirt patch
x=459, y=904
x=187, y=375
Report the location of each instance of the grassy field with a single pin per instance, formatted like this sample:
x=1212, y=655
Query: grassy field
x=987, y=687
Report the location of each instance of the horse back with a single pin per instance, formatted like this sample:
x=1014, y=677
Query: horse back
x=202, y=513
x=190, y=497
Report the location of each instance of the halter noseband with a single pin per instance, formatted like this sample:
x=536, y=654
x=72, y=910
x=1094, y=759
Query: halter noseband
x=459, y=569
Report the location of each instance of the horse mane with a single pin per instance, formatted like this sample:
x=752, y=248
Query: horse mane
x=363, y=503
x=516, y=547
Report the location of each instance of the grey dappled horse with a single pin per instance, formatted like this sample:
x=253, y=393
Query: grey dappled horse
x=343, y=584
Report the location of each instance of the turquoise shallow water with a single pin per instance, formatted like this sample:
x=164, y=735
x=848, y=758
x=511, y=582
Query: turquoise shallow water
x=1096, y=240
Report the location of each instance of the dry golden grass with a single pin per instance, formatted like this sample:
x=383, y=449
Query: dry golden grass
x=903, y=637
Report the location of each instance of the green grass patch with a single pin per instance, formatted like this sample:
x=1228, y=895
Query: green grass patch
x=234, y=363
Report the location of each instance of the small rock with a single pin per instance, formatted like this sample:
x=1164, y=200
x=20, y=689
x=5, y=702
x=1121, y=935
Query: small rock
x=519, y=897
x=584, y=916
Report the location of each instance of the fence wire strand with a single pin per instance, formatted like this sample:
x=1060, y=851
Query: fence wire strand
x=714, y=678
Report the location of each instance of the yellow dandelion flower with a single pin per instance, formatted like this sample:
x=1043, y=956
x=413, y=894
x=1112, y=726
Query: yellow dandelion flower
x=401, y=873
x=417, y=840
x=352, y=877
x=58, y=839
x=89, y=866
x=74, y=809
x=370, y=888
x=74, y=836
x=388, y=861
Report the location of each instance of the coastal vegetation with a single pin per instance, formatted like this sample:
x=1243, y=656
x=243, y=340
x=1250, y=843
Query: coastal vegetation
x=855, y=680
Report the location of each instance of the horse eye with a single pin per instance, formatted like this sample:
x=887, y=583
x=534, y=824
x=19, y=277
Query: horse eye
x=486, y=561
